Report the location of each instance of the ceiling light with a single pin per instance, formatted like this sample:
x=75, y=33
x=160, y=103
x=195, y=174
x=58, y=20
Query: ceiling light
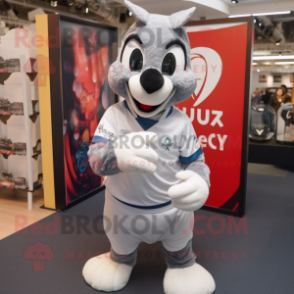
x=254, y=63
x=271, y=13
x=284, y=62
x=273, y=57
x=260, y=14
x=258, y=70
x=278, y=43
x=239, y=15
x=234, y=1
x=267, y=63
x=53, y=3
x=262, y=52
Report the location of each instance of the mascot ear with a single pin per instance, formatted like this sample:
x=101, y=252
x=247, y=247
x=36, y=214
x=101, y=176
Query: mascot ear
x=139, y=12
x=180, y=18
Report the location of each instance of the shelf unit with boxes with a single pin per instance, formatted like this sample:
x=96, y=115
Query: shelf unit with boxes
x=20, y=141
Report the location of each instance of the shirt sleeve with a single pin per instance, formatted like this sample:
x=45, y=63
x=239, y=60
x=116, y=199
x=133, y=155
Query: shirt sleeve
x=190, y=148
x=106, y=130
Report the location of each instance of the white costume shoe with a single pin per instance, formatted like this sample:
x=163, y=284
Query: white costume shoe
x=104, y=274
x=189, y=280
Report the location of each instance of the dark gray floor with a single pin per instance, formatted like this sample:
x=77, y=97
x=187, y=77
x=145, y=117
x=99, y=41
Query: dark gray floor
x=268, y=245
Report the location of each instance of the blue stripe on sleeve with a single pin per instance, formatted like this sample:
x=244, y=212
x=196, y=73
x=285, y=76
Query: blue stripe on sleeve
x=97, y=139
x=191, y=158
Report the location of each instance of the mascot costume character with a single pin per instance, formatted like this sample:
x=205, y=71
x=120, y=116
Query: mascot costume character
x=155, y=171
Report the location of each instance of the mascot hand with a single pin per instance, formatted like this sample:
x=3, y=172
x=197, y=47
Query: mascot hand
x=134, y=154
x=191, y=193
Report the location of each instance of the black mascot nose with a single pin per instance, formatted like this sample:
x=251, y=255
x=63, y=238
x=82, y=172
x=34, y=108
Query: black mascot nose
x=151, y=80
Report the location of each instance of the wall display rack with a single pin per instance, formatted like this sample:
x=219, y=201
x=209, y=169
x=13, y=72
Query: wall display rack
x=20, y=148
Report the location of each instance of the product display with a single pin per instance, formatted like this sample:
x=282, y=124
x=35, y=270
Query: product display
x=74, y=96
x=152, y=158
x=285, y=124
x=20, y=162
x=7, y=108
x=221, y=60
x=85, y=99
x=11, y=65
x=7, y=180
x=262, y=122
x=7, y=147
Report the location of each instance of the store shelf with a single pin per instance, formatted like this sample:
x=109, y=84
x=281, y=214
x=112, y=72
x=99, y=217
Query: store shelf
x=271, y=153
x=21, y=162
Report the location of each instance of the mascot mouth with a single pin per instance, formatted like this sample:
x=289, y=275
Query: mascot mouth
x=144, y=107
x=148, y=110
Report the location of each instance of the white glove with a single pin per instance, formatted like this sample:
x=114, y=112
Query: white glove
x=191, y=193
x=136, y=155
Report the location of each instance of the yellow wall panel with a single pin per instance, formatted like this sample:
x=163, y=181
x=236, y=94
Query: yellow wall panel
x=45, y=110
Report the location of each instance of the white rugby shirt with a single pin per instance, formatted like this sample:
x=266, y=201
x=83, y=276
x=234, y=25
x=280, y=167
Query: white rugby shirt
x=176, y=141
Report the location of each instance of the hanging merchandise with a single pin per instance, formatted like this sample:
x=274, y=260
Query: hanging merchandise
x=20, y=160
x=262, y=122
x=11, y=148
x=285, y=124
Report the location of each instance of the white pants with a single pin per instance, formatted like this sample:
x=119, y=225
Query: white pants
x=126, y=227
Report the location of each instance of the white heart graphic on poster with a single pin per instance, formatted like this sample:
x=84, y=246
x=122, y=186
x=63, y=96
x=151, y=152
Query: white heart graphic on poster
x=207, y=65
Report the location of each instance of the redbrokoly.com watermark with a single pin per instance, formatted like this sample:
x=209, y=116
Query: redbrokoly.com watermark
x=83, y=224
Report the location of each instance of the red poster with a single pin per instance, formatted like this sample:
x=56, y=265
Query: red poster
x=216, y=109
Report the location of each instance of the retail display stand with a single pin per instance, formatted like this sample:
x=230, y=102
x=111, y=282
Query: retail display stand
x=271, y=153
x=221, y=57
x=20, y=160
x=74, y=94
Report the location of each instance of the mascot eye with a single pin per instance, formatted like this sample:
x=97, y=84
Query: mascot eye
x=136, y=60
x=132, y=56
x=174, y=60
x=168, y=64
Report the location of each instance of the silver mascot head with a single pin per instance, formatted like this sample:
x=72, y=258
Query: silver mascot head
x=153, y=69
